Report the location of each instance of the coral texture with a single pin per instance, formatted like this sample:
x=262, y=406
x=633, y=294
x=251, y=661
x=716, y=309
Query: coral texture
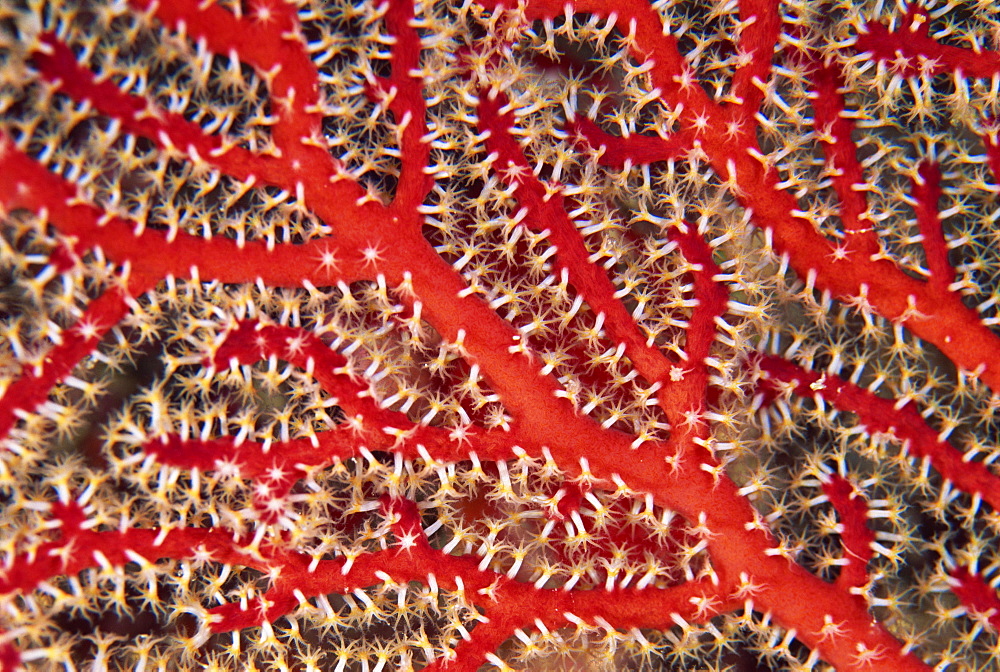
x=355, y=335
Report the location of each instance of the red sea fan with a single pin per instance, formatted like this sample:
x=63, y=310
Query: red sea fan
x=423, y=335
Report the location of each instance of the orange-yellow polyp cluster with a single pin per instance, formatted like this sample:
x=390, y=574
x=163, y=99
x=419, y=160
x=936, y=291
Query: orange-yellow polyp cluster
x=413, y=335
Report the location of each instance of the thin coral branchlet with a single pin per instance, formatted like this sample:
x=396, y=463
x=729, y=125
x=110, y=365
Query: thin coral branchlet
x=403, y=335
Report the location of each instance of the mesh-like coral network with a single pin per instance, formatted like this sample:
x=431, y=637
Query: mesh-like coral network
x=527, y=336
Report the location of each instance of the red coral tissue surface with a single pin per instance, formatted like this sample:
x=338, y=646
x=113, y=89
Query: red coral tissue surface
x=399, y=335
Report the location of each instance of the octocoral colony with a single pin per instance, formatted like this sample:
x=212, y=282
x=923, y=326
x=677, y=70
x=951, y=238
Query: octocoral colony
x=411, y=335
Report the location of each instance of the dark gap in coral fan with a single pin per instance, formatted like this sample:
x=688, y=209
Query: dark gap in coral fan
x=121, y=385
x=135, y=618
x=743, y=659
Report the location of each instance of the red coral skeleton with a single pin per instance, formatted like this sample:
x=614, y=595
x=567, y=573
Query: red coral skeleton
x=708, y=379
